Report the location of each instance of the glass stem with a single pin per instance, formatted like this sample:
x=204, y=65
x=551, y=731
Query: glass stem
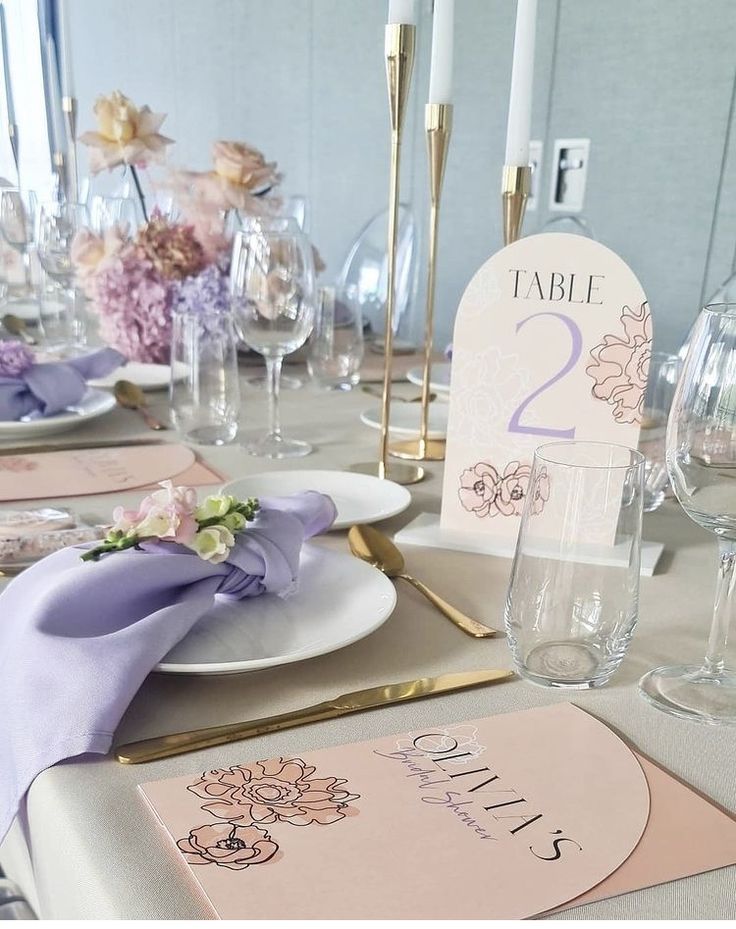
x=723, y=610
x=273, y=377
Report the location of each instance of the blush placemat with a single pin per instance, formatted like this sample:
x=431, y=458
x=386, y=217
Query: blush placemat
x=85, y=472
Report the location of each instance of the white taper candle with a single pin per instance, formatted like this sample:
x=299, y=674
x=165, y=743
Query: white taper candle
x=402, y=11
x=522, y=79
x=440, y=72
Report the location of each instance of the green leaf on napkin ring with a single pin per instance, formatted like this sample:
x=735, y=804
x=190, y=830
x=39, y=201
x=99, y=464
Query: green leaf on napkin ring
x=174, y=515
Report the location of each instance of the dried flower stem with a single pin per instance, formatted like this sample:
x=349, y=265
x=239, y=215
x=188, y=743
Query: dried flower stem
x=139, y=191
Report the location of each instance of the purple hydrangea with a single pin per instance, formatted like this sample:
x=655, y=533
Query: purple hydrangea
x=15, y=358
x=206, y=291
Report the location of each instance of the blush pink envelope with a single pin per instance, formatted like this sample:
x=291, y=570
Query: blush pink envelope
x=96, y=471
x=505, y=817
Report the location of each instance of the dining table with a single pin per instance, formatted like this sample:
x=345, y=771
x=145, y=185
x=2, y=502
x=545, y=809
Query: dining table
x=86, y=847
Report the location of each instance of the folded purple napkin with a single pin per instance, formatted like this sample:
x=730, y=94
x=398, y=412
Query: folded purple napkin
x=44, y=389
x=77, y=639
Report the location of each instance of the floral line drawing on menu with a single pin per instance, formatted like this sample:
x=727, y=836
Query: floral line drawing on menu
x=246, y=797
x=17, y=464
x=621, y=365
x=485, y=491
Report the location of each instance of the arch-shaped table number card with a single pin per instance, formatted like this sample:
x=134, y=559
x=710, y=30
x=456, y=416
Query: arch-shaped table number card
x=552, y=342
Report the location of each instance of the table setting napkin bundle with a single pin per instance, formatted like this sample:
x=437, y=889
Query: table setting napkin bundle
x=29, y=388
x=81, y=629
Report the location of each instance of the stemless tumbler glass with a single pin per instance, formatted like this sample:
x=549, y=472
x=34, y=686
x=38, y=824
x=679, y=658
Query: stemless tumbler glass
x=701, y=461
x=205, y=401
x=573, y=596
x=272, y=290
x=664, y=370
x=336, y=346
x=58, y=225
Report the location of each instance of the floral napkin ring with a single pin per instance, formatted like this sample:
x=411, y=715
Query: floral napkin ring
x=173, y=515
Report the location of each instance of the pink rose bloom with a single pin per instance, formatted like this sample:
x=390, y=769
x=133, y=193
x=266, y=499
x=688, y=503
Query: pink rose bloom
x=513, y=489
x=479, y=488
x=228, y=846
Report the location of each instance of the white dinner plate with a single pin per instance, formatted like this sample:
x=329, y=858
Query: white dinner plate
x=405, y=419
x=93, y=404
x=439, y=380
x=359, y=498
x=340, y=600
x=146, y=376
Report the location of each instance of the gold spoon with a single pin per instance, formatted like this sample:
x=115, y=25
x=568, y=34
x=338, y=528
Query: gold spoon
x=131, y=397
x=15, y=326
x=374, y=547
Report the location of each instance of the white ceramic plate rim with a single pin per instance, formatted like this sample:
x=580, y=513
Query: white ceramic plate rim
x=137, y=371
x=372, y=418
x=416, y=376
x=320, y=480
x=323, y=648
x=60, y=421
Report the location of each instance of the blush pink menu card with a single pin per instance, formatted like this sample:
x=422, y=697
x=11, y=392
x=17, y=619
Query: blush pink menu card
x=499, y=818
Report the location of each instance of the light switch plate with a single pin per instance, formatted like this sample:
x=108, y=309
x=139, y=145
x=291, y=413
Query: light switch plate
x=570, y=159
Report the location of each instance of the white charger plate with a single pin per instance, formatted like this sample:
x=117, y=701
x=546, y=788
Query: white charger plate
x=339, y=601
x=93, y=404
x=405, y=419
x=144, y=375
x=439, y=380
x=359, y=498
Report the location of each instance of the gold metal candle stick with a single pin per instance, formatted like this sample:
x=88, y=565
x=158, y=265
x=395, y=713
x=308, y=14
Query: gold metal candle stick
x=438, y=126
x=71, y=178
x=399, y=50
x=517, y=181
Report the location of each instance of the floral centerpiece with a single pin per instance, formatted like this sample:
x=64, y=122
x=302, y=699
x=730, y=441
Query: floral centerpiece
x=134, y=279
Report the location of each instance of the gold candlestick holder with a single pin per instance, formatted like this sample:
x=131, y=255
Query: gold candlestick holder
x=438, y=128
x=58, y=162
x=399, y=51
x=515, y=187
x=13, y=136
x=71, y=177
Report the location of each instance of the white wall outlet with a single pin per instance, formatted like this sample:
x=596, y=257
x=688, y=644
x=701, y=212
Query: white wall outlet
x=569, y=174
x=536, y=148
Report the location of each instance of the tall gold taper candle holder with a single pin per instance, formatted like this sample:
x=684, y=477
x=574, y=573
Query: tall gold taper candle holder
x=58, y=162
x=438, y=127
x=399, y=50
x=515, y=187
x=71, y=186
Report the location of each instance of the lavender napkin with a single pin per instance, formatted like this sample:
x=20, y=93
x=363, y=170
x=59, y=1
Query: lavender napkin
x=77, y=639
x=27, y=388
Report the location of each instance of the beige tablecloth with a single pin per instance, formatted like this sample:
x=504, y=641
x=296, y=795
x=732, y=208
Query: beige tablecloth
x=92, y=850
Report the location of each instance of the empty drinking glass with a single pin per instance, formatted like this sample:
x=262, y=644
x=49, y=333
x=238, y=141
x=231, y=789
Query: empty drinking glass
x=573, y=597
x=272, y=289
x=701, y=461
x=58, y=225
x=205, y=389
x=336, y=346
x=17, y=222
x=664, y=370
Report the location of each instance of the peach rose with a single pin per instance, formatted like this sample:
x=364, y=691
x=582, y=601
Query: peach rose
x=240, y=164
x=125, y=134
x=91, y=253
x=228, y=846
x=283, y=790
x=621, y=365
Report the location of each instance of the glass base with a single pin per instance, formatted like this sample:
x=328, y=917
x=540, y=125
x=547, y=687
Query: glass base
x=212, y=435
x=571, y=665
x=288, y=382
x=277, y=446
x=688, y=691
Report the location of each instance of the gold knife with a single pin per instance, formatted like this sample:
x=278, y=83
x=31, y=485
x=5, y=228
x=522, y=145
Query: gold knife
x=76, y=446
x=180, y=742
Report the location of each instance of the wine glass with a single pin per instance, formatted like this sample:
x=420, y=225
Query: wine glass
x=701, y=462
x=17, y=215
x=107, y=211
x=58, y=224
x=272, y=290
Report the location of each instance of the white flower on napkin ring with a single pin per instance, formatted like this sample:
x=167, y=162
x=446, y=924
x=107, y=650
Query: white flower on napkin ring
x=173, y=514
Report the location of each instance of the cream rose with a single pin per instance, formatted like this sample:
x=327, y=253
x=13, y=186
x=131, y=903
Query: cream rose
x=125, y=134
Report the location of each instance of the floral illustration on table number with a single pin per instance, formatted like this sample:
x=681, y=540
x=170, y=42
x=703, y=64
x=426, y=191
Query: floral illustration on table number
x=17, y=464
x=486, y=491
x=621, y=365
x=247, y=797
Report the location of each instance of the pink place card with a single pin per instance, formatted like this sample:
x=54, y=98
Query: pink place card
x=504, y=817
x=96, y=471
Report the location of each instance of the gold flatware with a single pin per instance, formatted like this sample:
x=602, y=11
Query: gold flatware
x=374, y=392
x=131, y=397
x=374, y=547
x=9, y=571
x=386, y=694
x=16, y=326
x=76, y=446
